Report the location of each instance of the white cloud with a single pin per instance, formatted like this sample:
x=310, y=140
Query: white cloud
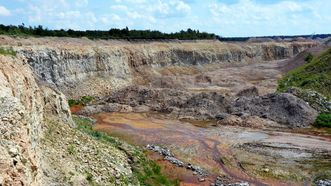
x=241, y=18
x=119, y=7
x=4, y=11
x=69, y=14
x=183, y=7
x=281, y=17
x=134, y=15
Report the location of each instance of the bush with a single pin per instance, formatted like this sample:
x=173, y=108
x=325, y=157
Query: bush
x=82, y=101
x=323, y=120
x=89, y=177
x=71, y=149
x=7, y=51
x=309, y=58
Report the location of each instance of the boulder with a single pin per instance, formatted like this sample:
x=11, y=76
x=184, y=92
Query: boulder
x=231, y=120
x=248, y=92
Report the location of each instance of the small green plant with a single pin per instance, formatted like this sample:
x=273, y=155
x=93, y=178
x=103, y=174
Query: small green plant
x=82, y=101
x=7, y=51
x=71, y=149
x=24, y=161
x=323, y=120
x=89, y=177
x=309, y=57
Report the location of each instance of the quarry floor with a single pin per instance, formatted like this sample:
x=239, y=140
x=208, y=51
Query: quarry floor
x=257, y=156
x=267, y=156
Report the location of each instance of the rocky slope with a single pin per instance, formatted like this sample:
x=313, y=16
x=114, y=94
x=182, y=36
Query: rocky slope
x=39, y=144
x=23, y=105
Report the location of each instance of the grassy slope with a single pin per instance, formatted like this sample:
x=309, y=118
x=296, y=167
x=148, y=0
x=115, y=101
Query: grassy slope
x=315, y=75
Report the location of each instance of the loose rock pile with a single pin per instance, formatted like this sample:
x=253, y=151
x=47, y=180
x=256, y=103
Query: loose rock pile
x=220, y=182
x=323, y=183
x=282, y=108
x=315, y=99
x=201, y=173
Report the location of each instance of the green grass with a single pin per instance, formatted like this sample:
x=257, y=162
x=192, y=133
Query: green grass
x=323, y=120
x=315, y=75
x=71, y=149
x=82, y=101
x=7, y=51
x=85, y=126
x=145, y=170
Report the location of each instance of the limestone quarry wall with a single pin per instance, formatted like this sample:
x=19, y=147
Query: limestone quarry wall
x=23, y=104
x=83, y=67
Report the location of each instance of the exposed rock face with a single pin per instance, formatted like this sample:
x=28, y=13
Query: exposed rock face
x=55, y=103
x=80, y=67
x=22, y=107
x=20, y=117
x=93, y=71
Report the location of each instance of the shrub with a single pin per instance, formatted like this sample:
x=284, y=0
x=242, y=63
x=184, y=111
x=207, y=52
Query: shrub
x=309, y=58
x=323, y=120
x=89, y=177
x=71, y=149
x=82, y=101
x=7, y=51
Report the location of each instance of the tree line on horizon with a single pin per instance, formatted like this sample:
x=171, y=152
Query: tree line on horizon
x=114, y=33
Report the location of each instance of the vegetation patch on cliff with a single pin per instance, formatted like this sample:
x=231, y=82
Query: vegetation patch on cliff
x=82, y=101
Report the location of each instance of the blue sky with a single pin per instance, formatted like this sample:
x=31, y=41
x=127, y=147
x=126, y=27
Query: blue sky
x=223, y=17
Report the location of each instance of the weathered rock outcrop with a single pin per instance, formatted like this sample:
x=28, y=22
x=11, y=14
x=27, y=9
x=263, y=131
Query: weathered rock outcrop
x=38, y=142
x=22, y=107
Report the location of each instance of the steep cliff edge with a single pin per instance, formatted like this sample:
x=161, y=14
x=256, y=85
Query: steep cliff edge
x=83, y=67
x=33, y=117
x=23, y=105
x=41, y=145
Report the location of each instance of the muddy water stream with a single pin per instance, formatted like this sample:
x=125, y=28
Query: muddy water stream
x=207, y=146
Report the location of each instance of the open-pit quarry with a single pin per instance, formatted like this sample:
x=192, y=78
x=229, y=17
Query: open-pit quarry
x=207, y=112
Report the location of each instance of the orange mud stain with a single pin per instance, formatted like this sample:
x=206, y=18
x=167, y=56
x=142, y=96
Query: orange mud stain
x=186, y=177
x=76, y=108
